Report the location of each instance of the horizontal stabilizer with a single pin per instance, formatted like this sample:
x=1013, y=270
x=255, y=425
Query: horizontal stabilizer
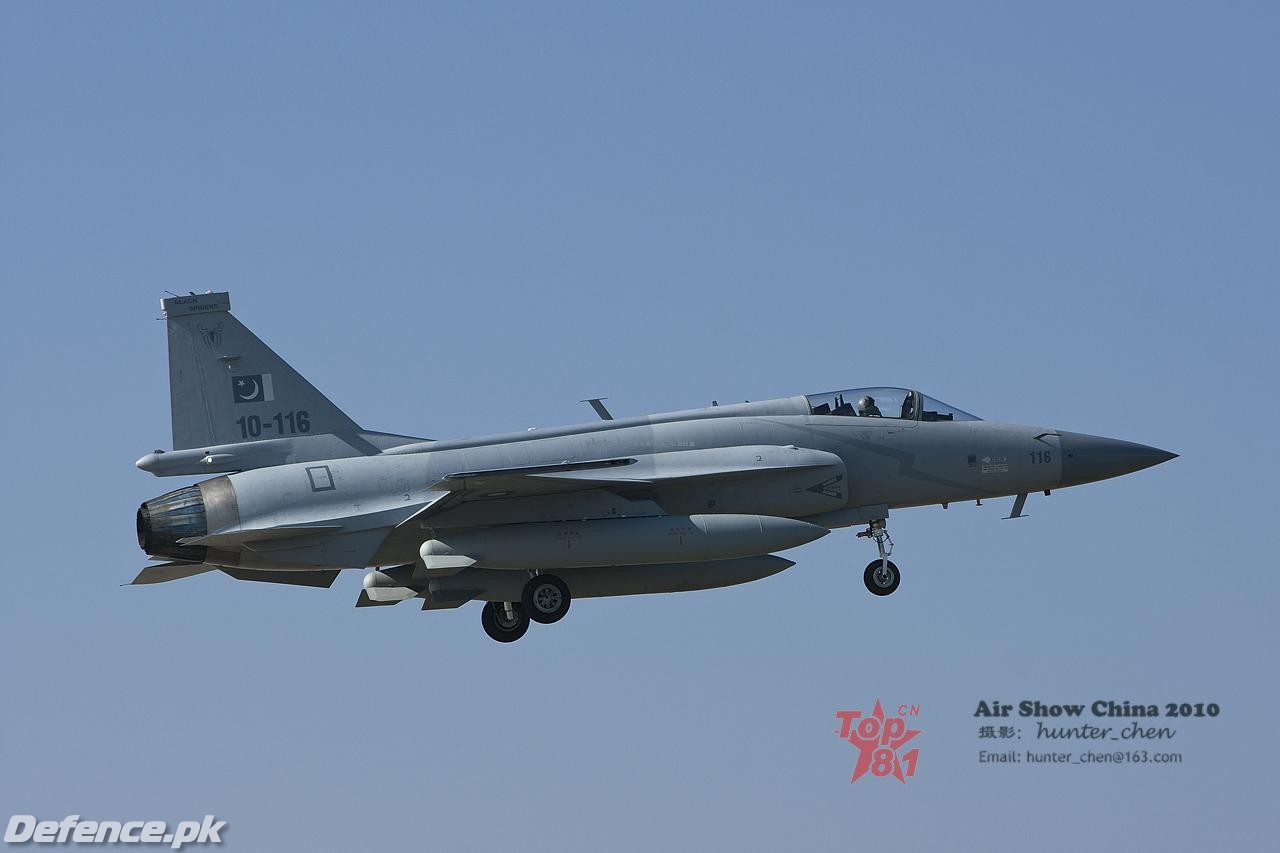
x=323, y=579
x=261, y=534
x=165, y=572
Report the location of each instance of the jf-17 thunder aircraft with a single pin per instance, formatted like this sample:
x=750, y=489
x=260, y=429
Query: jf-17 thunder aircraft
x=528, y=521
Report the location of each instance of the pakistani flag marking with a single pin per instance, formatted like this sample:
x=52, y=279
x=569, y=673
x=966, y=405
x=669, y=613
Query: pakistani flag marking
x=252, y=388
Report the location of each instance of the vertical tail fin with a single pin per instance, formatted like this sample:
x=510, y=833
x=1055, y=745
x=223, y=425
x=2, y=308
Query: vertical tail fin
x=226, y=386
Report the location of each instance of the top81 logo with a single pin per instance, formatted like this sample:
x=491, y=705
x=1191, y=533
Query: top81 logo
x=878, y=740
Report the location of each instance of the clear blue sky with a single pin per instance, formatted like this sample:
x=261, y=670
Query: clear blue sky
x=460, y=220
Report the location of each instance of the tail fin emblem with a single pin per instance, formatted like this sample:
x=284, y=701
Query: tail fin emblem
x=252, y=388
x=212, y=336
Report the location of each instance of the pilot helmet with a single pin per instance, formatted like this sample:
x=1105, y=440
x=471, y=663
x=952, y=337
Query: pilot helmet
x=866, y=404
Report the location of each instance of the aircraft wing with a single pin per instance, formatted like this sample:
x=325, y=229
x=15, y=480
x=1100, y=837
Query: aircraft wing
x=632, y=472
x=623, y=475
x=544, y=479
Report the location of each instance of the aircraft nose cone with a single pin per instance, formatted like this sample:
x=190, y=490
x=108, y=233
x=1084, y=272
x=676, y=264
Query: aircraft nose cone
x=1089, y=458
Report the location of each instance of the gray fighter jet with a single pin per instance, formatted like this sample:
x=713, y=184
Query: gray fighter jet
x=528, y=521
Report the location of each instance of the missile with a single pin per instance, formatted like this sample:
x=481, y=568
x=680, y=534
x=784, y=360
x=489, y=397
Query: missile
x=389, y=586
x=613, y=542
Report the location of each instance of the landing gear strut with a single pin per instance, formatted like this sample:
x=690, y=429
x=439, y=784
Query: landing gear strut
x=504, y=621
x=881, y=576
x=545, y=599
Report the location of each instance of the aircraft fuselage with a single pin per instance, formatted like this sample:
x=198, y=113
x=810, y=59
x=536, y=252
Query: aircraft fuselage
x=886, y=464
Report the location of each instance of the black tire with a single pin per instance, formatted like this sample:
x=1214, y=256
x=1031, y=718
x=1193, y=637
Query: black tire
x=876, y=584
x=499, y=627
x=546, y=599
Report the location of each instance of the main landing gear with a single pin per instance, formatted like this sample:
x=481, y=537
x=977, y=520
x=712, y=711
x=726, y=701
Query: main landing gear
x=545, y=599
x=881, y=576
x=504, y=621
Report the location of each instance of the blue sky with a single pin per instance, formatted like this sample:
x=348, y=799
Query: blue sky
x=463, y=219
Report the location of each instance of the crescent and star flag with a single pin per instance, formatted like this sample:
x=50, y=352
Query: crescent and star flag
x=252, y=388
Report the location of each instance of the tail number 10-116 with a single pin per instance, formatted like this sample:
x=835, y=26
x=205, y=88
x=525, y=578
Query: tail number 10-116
x=281, y=423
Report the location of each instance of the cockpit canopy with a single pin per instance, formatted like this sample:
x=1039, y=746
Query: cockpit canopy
x=897, y=403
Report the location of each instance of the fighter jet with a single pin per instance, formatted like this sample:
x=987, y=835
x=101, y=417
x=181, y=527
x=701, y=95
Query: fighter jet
x=526, y=522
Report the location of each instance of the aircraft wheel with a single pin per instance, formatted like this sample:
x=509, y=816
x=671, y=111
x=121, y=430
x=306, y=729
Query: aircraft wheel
x=501, y=627
x=881, y=582
x=546, y=599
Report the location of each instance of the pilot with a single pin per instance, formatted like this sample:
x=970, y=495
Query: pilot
x=867, y=408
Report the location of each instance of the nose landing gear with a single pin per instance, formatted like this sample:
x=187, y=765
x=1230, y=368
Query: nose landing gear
x=881, y=576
